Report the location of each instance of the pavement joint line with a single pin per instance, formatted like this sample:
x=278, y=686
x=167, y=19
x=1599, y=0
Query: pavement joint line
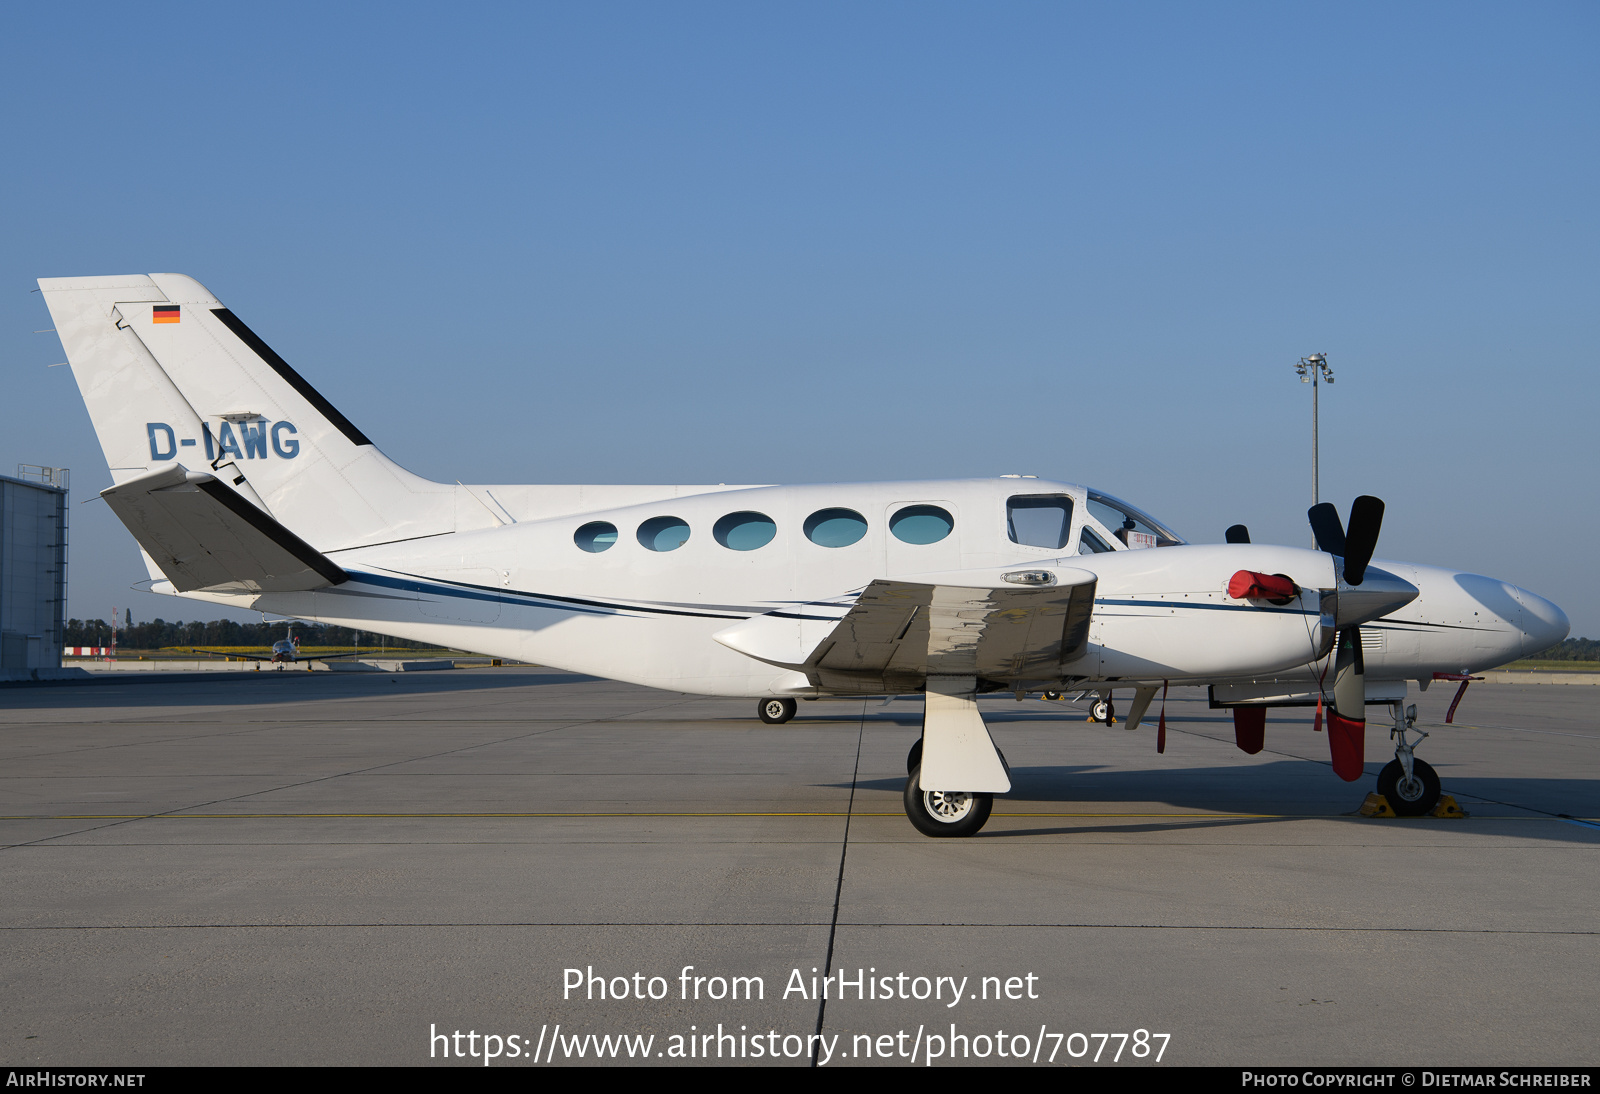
x=791, y=923
x=835, y=813
x=253, y=727
x=838, y=887
x=1518, y=729
x=619, y=813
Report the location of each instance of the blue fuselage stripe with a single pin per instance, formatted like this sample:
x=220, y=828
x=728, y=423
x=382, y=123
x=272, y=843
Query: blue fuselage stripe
x=1204, y=607
x=467, y=592
x=436, y=587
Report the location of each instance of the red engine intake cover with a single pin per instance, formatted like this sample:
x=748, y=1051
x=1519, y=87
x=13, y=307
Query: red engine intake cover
x=1249, y=585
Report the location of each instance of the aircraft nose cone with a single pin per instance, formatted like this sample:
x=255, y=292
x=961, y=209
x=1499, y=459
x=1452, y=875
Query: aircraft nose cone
x=1380, y=593
x=1543, y=624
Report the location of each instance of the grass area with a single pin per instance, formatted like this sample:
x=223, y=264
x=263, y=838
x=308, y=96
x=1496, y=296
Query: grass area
x=192, y=653
x=310, y=651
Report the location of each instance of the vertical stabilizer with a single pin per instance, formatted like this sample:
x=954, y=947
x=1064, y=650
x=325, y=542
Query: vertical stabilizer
x=172, y=377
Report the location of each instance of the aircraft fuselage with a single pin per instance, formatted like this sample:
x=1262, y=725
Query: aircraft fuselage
x=529, y=591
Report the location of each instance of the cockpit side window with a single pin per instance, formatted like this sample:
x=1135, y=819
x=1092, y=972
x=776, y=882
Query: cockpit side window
x=1091, y=544
x=1039, y=520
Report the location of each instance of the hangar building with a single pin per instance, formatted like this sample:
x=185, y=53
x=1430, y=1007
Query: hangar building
x=33, y=569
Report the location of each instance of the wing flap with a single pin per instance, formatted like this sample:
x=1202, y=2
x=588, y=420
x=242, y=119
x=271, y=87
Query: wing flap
x=897, y=633
x=202, y=535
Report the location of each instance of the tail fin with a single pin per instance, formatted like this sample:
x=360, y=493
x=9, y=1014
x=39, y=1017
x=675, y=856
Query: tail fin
x=171, y=377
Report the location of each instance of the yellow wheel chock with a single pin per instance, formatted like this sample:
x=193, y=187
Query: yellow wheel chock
x=1376, y=805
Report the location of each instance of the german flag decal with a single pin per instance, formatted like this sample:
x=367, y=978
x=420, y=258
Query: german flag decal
x=164, y=313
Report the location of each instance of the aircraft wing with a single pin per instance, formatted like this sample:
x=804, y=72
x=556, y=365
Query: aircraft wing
x=203, y=535
x=299, y=658
x=224, y=656
x=897, y=633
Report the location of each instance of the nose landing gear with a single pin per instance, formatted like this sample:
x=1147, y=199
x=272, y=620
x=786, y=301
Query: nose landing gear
x=1411, y=786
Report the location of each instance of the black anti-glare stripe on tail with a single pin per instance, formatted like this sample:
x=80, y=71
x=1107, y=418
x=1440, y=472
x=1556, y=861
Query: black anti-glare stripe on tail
x=277, y=533
x=294, y=379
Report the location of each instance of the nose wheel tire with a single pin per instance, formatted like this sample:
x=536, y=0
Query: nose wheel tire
x=1411, y=798
x=775, y=712
x=1102, y=711
x=945, y=813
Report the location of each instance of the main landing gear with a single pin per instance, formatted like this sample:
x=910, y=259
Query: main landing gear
x=1410, y=785
x=775, y=712
x=914, y=758
x=955, y=770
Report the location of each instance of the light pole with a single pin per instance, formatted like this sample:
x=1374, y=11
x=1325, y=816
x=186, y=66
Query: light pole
x=1311, y=369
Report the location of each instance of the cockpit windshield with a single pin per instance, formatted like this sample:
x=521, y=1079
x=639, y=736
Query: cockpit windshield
x=1133, y=527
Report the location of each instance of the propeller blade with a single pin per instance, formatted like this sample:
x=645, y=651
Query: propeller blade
x=1326, y=527
x=1347, y=717
x=1250, y=728
x=1366, y=518
x=1237, y=534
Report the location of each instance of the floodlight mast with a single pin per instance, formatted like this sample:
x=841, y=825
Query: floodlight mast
x=1311, y=369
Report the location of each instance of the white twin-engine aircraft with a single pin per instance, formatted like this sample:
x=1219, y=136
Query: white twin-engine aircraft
x=245, y=487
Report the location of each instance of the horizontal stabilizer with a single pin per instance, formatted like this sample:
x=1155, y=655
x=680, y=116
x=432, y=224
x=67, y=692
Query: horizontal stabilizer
x=203, y=535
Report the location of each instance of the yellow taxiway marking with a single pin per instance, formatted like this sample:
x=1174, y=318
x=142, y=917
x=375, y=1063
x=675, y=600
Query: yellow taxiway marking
x=517, y=816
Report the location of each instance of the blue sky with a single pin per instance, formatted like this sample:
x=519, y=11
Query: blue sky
x=806, y=242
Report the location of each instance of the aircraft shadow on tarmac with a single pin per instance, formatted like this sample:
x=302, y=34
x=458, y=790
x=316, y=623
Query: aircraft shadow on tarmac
x=1419, y=827
x=1071, y=718
x=1282, y=789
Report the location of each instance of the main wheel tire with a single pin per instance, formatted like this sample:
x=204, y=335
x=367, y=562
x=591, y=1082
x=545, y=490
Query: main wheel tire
x=943, y=813
x=1409, y=799
x=775, y=712
x=1102, y=711
x=1053, y=696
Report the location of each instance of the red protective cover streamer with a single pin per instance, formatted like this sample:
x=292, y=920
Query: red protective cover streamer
x=1316, y=723
x=1161, y=723
x=1250, y=728
x=1347, y=741
x=1249, y=585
